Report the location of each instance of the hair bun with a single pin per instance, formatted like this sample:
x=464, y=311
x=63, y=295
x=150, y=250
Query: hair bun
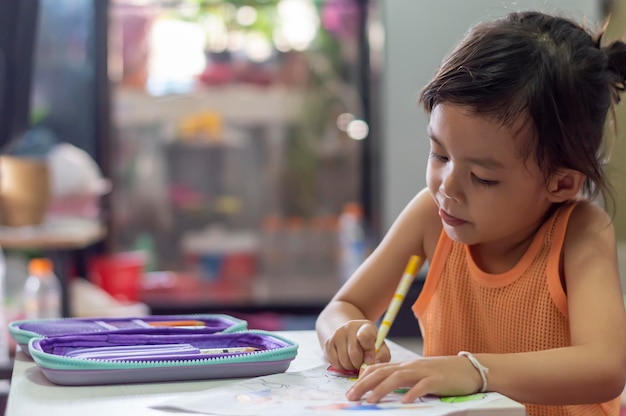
x=616, y=54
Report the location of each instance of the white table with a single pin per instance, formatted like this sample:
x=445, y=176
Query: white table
x=32, y=394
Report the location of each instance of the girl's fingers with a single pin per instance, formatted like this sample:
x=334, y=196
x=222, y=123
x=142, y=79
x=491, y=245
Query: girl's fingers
x=349, y=354
x=420, y=389
x=351, y=345
x=388, y=382
x=346, y=361
x=384, y=355
x=343, y=356
x=441, y=376
x=356, y=356
x=330, y=352
x=366, y=336
x=367, y=381
x=379, y=380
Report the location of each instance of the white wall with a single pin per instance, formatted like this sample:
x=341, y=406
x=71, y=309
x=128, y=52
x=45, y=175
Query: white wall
x=418, y=33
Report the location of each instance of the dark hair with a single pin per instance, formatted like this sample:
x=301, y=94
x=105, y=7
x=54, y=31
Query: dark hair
x=550, y=71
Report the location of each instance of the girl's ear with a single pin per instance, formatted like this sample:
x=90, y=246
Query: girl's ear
x=565, y=185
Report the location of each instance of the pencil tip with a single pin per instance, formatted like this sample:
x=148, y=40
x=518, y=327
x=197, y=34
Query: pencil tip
x=362, y=369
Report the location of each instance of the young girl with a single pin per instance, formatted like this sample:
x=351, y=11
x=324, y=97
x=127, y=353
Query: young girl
x=523, y=273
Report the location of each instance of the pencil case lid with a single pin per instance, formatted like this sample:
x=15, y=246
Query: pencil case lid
x=23, y=331
x=93, y=359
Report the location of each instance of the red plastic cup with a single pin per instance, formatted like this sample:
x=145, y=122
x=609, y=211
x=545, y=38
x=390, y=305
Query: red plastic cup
x=119, y=274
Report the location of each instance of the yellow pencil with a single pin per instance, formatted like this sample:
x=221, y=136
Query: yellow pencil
x=412, y=267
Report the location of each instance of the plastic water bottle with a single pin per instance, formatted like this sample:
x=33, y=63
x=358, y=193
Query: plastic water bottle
x=351, y=240
x=42, y=291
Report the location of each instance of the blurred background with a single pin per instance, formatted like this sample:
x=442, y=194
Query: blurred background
x=202, y=155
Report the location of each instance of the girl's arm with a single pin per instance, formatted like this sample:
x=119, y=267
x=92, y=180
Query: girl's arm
x=345, y=327
x=591, y=370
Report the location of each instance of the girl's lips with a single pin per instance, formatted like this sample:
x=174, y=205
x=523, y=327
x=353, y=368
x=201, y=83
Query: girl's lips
x=449, y=219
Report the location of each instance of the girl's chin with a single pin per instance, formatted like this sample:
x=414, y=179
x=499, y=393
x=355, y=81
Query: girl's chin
x=459, y=236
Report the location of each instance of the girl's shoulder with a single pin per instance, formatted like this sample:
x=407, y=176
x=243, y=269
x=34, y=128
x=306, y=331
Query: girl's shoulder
x=588, y=222
x=588, y=215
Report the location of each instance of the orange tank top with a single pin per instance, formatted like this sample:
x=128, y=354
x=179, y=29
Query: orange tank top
x=462, y=308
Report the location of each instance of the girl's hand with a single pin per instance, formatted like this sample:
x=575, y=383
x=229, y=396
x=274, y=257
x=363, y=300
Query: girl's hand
x=352, y=344
x=441, y=376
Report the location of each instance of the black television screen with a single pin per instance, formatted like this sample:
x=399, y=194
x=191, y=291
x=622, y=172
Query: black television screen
x=18, y=27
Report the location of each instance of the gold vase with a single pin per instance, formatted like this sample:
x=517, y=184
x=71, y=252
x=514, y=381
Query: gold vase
x=24, y=190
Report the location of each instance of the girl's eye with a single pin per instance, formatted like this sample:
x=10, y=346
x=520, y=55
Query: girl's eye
x=438, y=157
x=483, y=182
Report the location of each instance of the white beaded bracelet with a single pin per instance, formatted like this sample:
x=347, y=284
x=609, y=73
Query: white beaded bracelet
x=478, y=366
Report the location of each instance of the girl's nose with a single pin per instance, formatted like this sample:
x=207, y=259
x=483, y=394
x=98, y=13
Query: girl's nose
x=449, y=186
x=443, y=192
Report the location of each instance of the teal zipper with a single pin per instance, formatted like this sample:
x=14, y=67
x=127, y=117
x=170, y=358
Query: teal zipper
x=56, y=362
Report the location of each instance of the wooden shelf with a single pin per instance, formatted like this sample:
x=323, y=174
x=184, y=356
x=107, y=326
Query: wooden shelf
x=239, y=104
x=53, y=234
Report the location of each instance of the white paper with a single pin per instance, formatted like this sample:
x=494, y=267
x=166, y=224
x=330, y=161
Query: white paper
x=310, y=392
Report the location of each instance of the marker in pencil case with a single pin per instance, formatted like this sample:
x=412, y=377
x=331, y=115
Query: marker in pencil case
x=177, y=324
x=131, y=351
x=139, y=352
x=228, y=350
x=170, y=324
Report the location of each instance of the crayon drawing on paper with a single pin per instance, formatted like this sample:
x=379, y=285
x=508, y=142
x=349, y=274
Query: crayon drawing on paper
x=311, y=392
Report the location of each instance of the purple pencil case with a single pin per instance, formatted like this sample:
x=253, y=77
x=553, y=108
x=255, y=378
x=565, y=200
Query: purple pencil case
x=23, y=331
x=153, y=354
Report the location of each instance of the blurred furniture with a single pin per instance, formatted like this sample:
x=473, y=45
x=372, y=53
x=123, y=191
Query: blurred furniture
x=262, y=150
x=63, y=240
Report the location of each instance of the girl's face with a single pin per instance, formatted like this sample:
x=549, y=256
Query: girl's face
x=486, y=192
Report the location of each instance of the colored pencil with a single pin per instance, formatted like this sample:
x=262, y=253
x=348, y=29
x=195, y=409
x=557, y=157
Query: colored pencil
x=415, y=262
x=412, y=267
